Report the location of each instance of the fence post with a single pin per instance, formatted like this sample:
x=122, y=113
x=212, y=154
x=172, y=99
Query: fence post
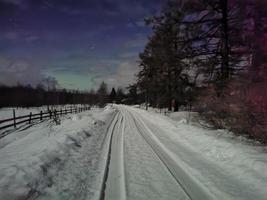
x=50, y=114
x=41, y=115
x=30, y=118
x=14, y=117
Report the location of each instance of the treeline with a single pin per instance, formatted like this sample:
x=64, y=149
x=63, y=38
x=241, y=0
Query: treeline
x=28, y=96
x=210, y=55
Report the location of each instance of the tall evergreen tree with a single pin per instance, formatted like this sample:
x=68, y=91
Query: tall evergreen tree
x=102, y=93
x=112, y=95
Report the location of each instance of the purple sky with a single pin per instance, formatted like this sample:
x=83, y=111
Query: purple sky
x=79, y=42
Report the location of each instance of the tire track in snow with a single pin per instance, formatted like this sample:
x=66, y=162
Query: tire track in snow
x=190, y=186
x=146, y=175
x=114, y=186
x=110, y=131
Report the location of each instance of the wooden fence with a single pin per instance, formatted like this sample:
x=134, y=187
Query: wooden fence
x=14, y=121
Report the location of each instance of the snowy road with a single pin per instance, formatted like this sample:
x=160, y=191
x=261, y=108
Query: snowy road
x=152, y=159
x=121, y=152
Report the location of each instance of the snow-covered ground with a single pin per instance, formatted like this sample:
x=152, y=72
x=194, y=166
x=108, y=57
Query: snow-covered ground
x=124, y=152
x=55, y=161
x=6, y=113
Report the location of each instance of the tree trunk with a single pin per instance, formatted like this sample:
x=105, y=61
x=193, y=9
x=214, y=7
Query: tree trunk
x=225, y=69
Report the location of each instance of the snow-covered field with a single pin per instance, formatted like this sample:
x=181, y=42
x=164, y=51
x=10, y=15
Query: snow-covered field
x=137, y=154
x=6, y=113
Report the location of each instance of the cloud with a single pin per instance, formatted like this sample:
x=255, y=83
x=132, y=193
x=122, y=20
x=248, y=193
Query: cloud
x=139, y=40
x=71, y=80
x=136, y=24
x=21, y=4
x=16, y=2
x=140, y=23
x=12, y=35
x=129, y=55
x=31, y=38
x=71, y=11
x=20, y=35
x=19, y=71
x=130, y=25
x=121, y=77
x=134, y=9
x=125, y=73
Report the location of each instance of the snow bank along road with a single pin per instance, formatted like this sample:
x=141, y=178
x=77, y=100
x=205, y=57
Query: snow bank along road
x=123, y=153
x=49, y=161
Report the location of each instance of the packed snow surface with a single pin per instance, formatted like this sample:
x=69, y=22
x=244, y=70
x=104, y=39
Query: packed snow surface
x=156, y=157
x=124, y=152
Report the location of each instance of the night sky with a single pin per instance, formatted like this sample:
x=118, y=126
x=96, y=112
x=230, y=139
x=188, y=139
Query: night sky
x=79, y=42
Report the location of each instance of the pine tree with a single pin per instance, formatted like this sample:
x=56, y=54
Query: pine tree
x=102, y=93
x=112, y=95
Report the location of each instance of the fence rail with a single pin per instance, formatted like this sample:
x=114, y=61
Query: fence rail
x=38, y=116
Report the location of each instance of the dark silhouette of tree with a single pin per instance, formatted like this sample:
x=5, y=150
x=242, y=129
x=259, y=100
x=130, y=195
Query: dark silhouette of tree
x=192, y=41
x=102, y=93
x=112, y=95
x=211, y=53
x=132, y=95
x=26, y=96
x=120, y=96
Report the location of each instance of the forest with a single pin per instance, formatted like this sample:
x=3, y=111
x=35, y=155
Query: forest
x=210, y=56
x=28, y=96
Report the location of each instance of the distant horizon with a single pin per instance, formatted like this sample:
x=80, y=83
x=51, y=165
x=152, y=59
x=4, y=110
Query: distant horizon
x=60, y=88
